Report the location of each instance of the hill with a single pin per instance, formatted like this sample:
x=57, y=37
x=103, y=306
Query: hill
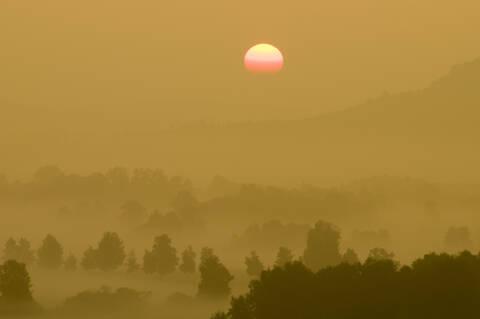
x=429, y=133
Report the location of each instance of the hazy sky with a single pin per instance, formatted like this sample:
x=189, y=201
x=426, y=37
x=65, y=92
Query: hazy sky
x=77, y=77
x=182, y=60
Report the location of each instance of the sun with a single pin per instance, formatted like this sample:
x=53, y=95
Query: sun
x=264, y=58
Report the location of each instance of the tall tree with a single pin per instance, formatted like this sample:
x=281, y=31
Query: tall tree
x=50, y=254
x=15, y=283
x=323, y=243
x=162, y=259
x=110, y=253
x=215, y=277
x=188, y=261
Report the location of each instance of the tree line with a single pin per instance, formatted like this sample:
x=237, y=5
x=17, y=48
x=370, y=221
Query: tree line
x=435, y=286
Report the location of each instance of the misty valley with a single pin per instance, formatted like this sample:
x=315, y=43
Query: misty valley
x=255, y=159
x=143, y=244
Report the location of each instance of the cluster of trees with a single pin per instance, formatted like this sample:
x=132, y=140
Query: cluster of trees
x=322, y=250
x=161, y=259
x=184, y=215
x=110, y=254
x=272, y=234
x=276, y=202
x=122, y=302
x=435, y=286
x=49, y=255
x=15, y=283
x=50, y=183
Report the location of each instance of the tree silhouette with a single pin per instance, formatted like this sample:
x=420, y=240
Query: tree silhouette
x=350, y=257
x=435, y=286
x=110, y=253
x=50, y=254
x=107, y=303
x=219, y=315
x=162, y=259
x=188, y=261
x=15, y=283
x=378, y=254
x=215, y=277
x=19, y=251
x=322, y=246
x=254, y=265
x=284, y=255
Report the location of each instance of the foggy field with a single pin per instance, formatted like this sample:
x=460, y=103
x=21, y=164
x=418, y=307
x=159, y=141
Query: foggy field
x=62, y=221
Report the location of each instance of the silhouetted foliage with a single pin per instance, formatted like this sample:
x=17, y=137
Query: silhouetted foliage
x=15, y=283
x=350, y=257
x=162, y=259
x=108, y=256
x=184, y=216
x=105, y=301
x=458, y=238
x=378, y=254
x=188, y=264
x=149, y=186
x=436, y=286
x=110, y=253
x=284, y=255
x=70, y=262
x=19, y=251
x=272, y=234
x=219, y=315
x=282, y=203
x=254, y=265
x=131, y=263
x=215, y=277
x=322, y=246
x=50, y=254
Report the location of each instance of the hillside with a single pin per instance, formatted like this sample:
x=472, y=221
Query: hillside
x=430, y=133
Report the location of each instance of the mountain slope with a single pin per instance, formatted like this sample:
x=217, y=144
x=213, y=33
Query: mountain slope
x=430, y=133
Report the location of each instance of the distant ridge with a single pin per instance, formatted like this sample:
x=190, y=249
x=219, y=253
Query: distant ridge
x=432, y=132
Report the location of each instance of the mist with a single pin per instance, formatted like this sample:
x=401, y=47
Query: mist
x=145, y=172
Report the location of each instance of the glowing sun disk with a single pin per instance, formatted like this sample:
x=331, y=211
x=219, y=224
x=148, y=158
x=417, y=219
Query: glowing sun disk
x=263, y=58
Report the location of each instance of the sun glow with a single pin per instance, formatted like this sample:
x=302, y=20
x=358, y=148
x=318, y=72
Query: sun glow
x=263, y=58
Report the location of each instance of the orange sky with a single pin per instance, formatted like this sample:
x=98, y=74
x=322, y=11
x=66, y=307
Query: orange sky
x=102, y=69
x=183, y=59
